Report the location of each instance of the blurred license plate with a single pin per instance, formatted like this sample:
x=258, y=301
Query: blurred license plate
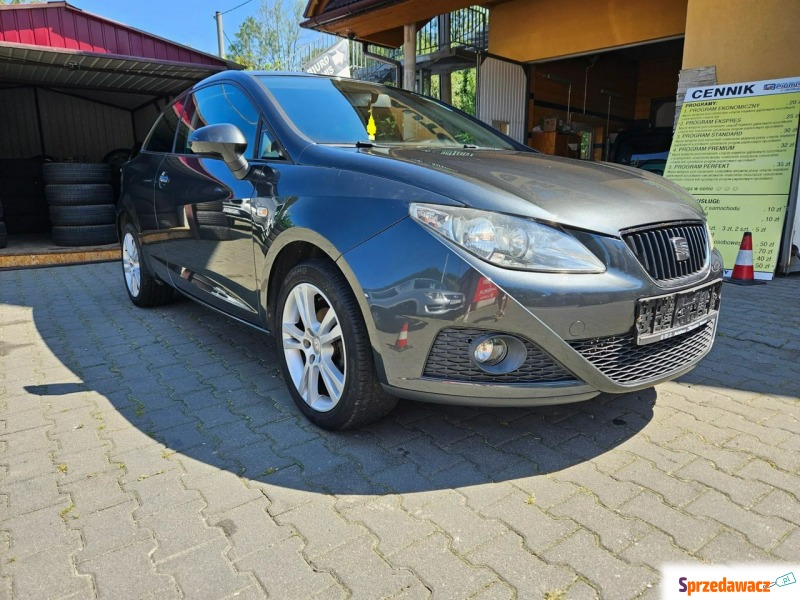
x=664, y=317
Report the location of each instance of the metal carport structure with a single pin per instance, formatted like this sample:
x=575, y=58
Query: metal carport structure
x=75, y=86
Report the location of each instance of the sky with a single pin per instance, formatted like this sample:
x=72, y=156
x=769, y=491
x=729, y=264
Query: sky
x=188, y=22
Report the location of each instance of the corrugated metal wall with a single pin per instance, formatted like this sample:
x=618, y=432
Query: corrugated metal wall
x=73, y=128
x=78, y=129
x=19, y=128
x=503, y=95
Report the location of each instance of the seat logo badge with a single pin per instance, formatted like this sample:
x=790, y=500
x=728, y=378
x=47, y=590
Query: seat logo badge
x=681, y=248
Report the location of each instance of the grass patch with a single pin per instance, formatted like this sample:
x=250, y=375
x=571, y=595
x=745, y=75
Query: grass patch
x=143, y=477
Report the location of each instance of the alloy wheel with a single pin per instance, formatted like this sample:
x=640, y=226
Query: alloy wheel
x=130, y=264
x=313, y=347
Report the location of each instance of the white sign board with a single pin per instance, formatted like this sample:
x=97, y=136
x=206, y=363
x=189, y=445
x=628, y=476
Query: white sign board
x=335, y=61
x=734, y=150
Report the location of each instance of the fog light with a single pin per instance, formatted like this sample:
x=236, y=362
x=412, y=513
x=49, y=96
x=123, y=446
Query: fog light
x=490, y=351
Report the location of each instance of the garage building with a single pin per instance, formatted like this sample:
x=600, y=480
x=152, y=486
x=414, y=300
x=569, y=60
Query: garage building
x=79, y=88
x=589, y=79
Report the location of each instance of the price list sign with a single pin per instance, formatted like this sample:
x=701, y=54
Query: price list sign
x=734, y=150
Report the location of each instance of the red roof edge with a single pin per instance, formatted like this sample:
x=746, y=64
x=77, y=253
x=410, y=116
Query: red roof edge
x=89, y=32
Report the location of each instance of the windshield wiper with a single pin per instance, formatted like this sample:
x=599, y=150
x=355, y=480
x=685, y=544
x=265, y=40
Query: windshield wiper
x=476, y=147
x=371, y=144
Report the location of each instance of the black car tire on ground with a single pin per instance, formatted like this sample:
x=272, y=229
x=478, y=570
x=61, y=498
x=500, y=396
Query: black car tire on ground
x=85, y=235
x=214, y=205
x=1, y=210
x=207, y=217
x=65, y=173
x=116, y=158
x=149, y=291
x=362, y=399
x=79, y=194
x=100, y=214
x=3, y=235
x=214, y=232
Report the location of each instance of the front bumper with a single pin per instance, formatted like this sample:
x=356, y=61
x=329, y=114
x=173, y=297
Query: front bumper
x=582, y=323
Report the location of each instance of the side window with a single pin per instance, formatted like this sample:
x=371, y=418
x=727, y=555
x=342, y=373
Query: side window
x=221, y=103
x=425, y=284
x=163, y=132
x=269, y=148
x=185, y=126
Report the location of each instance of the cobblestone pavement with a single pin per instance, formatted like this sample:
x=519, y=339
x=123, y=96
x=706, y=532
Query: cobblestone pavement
x=157, y=454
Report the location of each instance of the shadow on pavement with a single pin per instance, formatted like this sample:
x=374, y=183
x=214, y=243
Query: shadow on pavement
x=757, y=348
x=210, y=389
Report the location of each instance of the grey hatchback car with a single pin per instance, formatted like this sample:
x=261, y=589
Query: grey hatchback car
x=296, y=203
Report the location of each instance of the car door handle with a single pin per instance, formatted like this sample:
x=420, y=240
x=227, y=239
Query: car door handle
x=163, y=179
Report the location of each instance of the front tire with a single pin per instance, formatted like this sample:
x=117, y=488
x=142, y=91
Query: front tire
x=143, y=288
x=325, y=352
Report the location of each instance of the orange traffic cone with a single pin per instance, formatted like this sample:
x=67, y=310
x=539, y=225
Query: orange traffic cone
x=743, y=273
x=402, y=339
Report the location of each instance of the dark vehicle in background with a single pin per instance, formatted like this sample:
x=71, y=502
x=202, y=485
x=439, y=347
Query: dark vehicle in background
x=394, y=308
x=418, y=297
x=645, y=149
x=300, y=205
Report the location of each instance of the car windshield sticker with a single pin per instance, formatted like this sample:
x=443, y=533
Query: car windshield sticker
x=372, y=129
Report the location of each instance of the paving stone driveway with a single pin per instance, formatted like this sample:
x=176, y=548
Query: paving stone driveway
x=157, y=454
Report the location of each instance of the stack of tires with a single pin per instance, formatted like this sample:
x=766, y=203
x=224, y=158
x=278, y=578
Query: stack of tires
x=213, y=224
x=82, y=204
x=3, y=230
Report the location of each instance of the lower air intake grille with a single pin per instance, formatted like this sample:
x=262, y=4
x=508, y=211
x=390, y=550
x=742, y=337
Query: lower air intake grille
x=622, y=361
x=450, y=359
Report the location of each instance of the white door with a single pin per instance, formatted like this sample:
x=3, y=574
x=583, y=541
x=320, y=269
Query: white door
x=503, y=96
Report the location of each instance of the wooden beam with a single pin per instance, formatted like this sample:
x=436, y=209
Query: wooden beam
x=409, y=56
x=365, y=25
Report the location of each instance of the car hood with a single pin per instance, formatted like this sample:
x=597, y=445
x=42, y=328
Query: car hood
x=601, y=197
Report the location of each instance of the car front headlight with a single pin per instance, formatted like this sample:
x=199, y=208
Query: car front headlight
x=508, y=241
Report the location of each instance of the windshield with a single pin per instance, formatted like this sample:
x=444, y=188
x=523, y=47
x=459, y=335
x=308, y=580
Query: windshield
x=343, y=111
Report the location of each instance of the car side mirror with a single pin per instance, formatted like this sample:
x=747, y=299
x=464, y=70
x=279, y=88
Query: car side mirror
x=224, y=141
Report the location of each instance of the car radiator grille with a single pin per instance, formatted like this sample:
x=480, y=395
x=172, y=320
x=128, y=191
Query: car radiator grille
x=621, y=360
x=654, y=250
x=450, y=359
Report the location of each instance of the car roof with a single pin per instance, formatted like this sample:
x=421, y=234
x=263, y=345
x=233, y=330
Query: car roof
x=238, y=75
x=250, y=78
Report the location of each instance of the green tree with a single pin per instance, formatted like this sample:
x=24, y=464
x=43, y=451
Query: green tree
x=270, y=40
x=464, y=90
